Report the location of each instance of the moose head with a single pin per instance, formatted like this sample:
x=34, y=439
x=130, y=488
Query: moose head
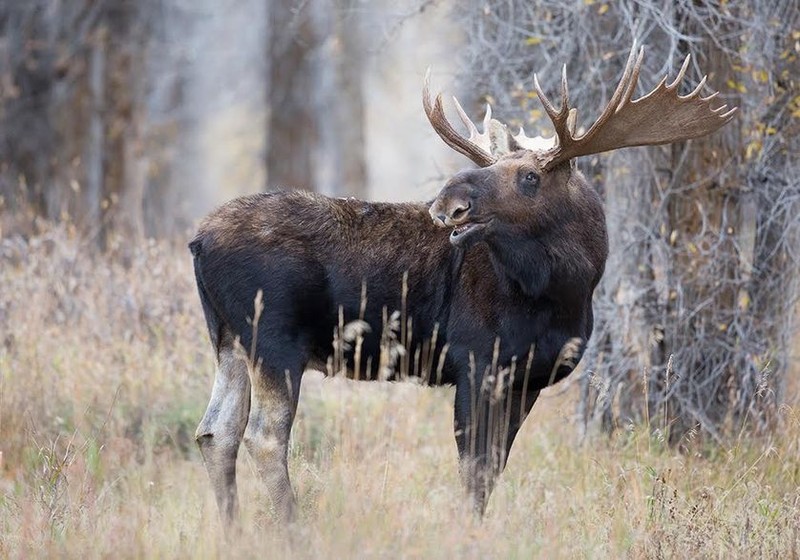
x=525, y=179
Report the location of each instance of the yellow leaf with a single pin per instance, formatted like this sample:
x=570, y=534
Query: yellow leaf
x=533, y=40
x=588, y=2
x=744, y=300
x=602, y=9
x=771, y=130
x=753, y=149
x=738, y=86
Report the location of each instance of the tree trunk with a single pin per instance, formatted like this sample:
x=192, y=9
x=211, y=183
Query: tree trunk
x=340, y=103
x=316, y=103
x=95, y=141
x=292, y=130
x=69, y=127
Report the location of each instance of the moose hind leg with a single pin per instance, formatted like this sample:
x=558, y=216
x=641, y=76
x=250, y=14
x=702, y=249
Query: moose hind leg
x=273, y=404
x=222, y=427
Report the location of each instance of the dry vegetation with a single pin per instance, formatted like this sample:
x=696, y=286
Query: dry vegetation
x=105, y=370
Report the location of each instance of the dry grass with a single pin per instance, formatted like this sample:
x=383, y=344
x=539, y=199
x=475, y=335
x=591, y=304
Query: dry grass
x=105, y=370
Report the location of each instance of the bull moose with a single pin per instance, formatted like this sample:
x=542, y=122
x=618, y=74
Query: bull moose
x=494, y=278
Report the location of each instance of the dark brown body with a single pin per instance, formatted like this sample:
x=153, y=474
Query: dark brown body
x=525, y=285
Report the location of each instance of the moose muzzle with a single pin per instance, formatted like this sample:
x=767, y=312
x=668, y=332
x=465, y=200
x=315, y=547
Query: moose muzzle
x=449, y=210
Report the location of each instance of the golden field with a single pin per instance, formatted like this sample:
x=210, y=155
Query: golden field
x=105, y=370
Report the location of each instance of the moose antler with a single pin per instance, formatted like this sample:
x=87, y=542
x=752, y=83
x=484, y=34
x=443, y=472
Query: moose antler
x=478, y=147
x=660, y=117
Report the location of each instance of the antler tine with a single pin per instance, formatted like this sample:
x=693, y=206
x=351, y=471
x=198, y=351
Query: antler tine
x=564, y=88
x=727, y=114
x=632, y=76
x=696, y=91
x=434, y=110
x=563, y=118
x=549, y=108
x=473, y=130
x=541, y=143
x=562, y=122
x=681, y=73
x=487, y=118
x=482, y=140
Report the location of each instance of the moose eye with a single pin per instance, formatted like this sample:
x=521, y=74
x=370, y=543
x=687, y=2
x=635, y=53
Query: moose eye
x=529, y=183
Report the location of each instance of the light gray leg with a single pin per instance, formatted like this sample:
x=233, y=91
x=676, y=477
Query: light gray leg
x=222, y=427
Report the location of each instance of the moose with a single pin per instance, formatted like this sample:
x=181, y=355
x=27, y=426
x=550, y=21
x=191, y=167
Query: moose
x=495, y=279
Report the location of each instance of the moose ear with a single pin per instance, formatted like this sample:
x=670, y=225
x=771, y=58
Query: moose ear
x=500, y=138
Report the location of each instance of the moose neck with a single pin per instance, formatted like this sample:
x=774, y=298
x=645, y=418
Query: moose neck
x=520, y=262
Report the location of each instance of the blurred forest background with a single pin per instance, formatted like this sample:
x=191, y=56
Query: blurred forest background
x=122, y=122
x=129, y=119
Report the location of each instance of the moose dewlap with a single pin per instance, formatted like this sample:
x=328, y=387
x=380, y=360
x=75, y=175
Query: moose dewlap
x=493, y=282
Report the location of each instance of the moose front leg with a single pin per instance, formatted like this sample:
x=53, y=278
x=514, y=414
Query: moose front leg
x=485, y=427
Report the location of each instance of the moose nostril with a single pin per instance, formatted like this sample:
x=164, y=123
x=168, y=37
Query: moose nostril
x=441, y=218
x=461, y=211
